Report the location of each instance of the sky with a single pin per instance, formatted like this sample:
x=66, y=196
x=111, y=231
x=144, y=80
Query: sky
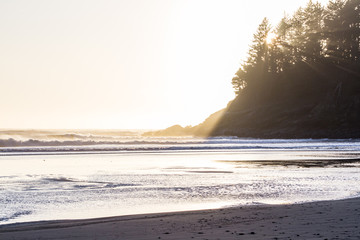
x=123, y=64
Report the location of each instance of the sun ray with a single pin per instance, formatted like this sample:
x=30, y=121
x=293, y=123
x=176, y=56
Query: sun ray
x=271, y=37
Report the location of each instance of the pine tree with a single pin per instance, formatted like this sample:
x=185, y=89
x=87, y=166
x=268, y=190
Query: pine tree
x=313, y=16
x=313, y=34
x=257, y=63
x=334, y=32
x=297, y=39
x=280, y=48
x=239, y=81
x=258, y=49
x=350, y=16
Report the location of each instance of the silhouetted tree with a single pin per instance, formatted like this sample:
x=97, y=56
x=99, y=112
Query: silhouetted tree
x=350, y=17
x=239, y=80
x=297, y=36
x=334, y=31
x=313, y=16
x=313, y=35
x=258, y=49
x=281, y=45
x=257, y=62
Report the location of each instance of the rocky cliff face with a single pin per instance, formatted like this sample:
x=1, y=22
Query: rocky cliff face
x=312, y=120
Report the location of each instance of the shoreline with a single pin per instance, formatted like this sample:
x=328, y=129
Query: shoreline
x=338, y=219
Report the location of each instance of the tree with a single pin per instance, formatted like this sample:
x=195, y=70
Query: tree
x=313, y=21
x=258, y=49
x=350, y=16
x=312, y=35
x=281, y=46
x=333, y=31
x=297, y=39
x=239, y=81
x=257, y=62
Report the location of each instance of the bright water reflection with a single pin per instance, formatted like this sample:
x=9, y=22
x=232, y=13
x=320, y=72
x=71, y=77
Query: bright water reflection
x=44, y=187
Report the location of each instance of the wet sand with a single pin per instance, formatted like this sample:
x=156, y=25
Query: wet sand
x=318, y=220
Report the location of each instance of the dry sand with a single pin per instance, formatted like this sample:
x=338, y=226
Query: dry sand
x=318, y=220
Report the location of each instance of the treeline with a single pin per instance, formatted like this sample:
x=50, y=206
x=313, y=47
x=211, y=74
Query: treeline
x=314, y=35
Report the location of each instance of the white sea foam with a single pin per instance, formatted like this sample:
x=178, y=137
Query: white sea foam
x=90, y=141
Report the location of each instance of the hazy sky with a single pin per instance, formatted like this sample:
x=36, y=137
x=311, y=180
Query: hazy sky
x=125, y=63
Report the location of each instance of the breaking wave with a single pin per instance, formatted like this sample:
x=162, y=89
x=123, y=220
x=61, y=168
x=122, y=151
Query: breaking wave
x=11, y=146
x=15, y=215
x=60, y=141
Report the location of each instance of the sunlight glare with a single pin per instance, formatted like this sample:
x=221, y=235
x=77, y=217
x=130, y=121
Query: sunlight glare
x=138, y=64
x=270, y=37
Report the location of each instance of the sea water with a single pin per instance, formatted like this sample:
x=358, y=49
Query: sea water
x=72, y=175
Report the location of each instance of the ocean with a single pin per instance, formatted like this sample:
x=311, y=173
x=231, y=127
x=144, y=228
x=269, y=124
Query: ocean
x=76, y=174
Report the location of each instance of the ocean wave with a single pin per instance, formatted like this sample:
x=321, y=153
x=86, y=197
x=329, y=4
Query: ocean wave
x=32, y=142
x=15, y=215
x=68, y=135
x=115, y=149
x=11, y=142
x=139, y=143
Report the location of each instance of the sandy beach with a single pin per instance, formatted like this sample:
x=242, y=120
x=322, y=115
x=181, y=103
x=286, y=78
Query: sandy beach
x=317, y=220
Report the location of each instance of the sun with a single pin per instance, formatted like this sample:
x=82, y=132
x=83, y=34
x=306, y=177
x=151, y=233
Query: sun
x=270, y=37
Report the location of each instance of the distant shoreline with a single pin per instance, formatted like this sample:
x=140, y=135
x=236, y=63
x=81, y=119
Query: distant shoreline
x=337, y=219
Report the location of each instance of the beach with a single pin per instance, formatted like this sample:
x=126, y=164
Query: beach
x=182, y=188
x=317, y=220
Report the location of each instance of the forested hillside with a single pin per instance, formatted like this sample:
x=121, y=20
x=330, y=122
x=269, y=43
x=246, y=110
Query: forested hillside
x=313, y=35
x=301, y=78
